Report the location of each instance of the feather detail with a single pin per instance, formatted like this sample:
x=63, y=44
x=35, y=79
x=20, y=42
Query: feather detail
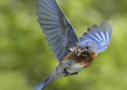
x=57, y=28
x=102, y=38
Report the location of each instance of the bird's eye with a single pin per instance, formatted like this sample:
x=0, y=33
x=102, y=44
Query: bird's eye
x=87, y=47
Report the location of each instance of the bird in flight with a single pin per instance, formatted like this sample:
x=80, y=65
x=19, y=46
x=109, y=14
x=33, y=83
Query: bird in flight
x=73, y=54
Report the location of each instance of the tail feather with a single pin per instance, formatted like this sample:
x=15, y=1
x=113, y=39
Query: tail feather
x=43, y=84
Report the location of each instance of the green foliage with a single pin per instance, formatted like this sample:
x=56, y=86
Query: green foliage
x=26, y=58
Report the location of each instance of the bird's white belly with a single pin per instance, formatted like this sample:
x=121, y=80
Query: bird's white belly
x=72, y=66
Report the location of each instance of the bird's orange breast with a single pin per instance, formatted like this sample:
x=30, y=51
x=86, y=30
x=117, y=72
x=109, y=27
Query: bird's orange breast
x=82, y=60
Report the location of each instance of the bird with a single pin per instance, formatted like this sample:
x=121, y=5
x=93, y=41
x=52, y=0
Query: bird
x=73, y=54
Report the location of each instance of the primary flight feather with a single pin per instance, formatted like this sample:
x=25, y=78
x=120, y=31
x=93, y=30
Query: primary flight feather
x=73, y=54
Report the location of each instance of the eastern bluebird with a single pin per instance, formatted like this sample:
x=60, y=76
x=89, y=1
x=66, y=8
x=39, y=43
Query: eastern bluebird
x=73, y=54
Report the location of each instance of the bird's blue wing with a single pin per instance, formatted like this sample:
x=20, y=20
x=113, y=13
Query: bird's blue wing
x=58, y=30
x=102, y=38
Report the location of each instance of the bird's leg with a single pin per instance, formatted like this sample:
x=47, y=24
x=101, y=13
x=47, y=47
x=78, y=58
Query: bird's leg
x=66, y=72
x=74, y=73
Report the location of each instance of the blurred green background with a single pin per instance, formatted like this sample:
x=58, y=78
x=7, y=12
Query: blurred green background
x=26, y=58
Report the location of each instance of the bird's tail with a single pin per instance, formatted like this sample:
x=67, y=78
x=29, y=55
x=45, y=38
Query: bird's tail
x=57, y=74
x=43, y=84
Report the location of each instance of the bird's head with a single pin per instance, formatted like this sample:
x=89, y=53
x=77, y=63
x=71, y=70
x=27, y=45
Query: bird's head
x=88, y=46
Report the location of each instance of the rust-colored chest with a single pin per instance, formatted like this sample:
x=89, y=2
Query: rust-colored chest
x=82, y=60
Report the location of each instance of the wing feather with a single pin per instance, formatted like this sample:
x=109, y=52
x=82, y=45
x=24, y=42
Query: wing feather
x=102, y=38
x=58, y=30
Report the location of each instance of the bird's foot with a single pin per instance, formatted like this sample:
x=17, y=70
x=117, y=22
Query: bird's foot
x=66, y=72
x=74, y=73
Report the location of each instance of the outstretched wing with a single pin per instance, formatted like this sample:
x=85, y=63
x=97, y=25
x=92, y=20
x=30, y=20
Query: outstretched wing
x=58, y=30
x=102, y=38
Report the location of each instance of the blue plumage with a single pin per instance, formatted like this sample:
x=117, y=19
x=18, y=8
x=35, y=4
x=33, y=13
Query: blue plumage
x=73, y=54
x=102, y=38
x=57, y=28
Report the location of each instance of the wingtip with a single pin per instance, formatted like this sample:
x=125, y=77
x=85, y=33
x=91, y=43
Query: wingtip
x=110, y=25
x=103, y=26
x=84, y=34
x=80, y=38
x=88, y=29
x=111, y=22
x=94, y=26
x=103, y=23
